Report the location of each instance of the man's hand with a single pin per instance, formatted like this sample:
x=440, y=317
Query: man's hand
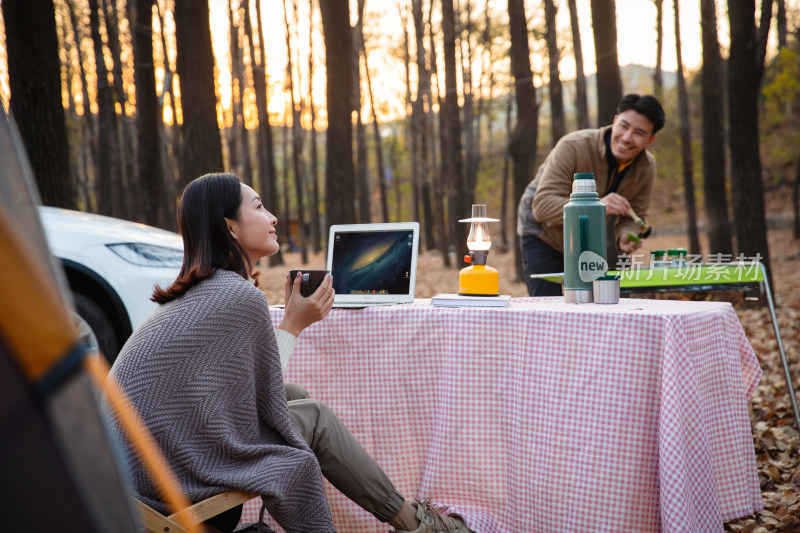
x=615, y=204
x=302, y=312
x=628, y=246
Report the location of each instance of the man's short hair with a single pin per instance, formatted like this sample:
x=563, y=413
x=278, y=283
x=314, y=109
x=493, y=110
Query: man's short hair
x=646, y=105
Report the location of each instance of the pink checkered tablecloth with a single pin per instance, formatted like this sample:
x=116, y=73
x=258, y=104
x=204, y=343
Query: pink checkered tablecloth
x=544, y=416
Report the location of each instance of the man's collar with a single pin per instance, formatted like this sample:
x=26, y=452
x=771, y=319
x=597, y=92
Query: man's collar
x=612, y=161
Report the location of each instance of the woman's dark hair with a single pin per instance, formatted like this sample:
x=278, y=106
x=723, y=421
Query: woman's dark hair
x=645, y=105
x=207, y=244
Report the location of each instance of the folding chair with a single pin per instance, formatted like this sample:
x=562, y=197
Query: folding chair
x=198, y=513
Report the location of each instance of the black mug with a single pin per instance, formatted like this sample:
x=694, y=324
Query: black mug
x=311, y=280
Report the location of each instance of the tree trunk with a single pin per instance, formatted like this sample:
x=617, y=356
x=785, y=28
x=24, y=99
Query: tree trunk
x=580, y=77
x=452, y=162
x=411, y=123
x=486, y=84
x=781, y=23
x=486, y=102
x=522, y=144
x=609, y=83
x=339, y=177
x=420, y=131
x=67, y=75
x=268, y=179
x=89, y=144
x=264, y=157
x=443, y=239
x=658, y=80
x=284, y=185
x=744, y=82
x=506, y=167
x=394, y=165
x=267, y=174
x=378, y=141
x=71, y=118
x=558, y=126
x=151, y=177
x=796, y=200
x=364, y=200
x=128, y=201
x=297, y=142
x=202, y=147
x=241, y=134
x=315, y=219
x=34, y=77
x=108, y=169
x=471, y=149
x=232, y=134
x=762, y=36
x=714, y=189
x=686, y=142
x=170, y=147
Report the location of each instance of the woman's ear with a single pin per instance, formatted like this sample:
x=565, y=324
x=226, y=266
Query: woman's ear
x=233, y=227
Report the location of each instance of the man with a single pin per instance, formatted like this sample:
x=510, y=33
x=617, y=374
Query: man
x=624, y=173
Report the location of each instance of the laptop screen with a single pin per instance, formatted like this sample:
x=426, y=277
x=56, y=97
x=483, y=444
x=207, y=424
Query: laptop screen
x=373, y=263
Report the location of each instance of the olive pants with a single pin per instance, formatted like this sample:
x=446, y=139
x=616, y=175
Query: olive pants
x=343, y=461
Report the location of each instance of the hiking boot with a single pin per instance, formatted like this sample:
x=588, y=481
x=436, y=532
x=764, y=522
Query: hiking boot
x=432, y=521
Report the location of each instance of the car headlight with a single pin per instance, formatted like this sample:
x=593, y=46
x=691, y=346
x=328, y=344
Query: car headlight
x=147, y=254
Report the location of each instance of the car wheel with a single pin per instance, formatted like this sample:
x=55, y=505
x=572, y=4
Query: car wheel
x=101, y=327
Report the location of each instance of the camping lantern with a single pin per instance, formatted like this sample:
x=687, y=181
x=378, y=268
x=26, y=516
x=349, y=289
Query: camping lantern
x=478, y=279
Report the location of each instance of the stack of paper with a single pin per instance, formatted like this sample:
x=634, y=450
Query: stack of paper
x=459, y=300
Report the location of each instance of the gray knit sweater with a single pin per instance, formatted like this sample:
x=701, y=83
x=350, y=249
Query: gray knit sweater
x=204, y=372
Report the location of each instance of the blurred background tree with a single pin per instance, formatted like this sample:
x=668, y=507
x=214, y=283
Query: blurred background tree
x=35, y=83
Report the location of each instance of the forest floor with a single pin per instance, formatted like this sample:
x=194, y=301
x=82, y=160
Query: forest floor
x=775, y=437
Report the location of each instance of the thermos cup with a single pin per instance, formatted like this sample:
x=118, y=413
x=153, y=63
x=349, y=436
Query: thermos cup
x=584, y=239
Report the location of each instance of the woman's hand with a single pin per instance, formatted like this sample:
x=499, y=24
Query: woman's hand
x=302, y=312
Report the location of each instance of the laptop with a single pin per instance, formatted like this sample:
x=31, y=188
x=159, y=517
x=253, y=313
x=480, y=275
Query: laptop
x=373, y=264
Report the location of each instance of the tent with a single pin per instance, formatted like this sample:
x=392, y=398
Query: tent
x=60, y=470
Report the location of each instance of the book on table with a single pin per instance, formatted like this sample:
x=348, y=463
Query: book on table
x=461, y=300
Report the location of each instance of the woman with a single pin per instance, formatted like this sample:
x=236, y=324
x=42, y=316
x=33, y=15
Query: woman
x=205, y=372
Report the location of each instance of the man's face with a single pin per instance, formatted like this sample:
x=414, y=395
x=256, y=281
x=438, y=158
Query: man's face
x=631, y=133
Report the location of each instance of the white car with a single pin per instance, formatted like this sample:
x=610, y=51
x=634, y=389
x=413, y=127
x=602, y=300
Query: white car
x=111, y=266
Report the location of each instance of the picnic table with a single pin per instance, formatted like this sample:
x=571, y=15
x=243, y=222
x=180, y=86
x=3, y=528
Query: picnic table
x=544, y=416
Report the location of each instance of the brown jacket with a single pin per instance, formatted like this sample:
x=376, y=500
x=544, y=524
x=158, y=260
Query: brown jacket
x=581, y=151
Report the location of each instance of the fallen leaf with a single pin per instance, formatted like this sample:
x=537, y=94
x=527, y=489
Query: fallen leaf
x=771, y=520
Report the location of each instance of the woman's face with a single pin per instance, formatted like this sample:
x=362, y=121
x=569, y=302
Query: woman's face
x=254, y=227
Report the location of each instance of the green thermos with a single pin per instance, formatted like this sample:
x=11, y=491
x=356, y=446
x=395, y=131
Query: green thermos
x=584, y=239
